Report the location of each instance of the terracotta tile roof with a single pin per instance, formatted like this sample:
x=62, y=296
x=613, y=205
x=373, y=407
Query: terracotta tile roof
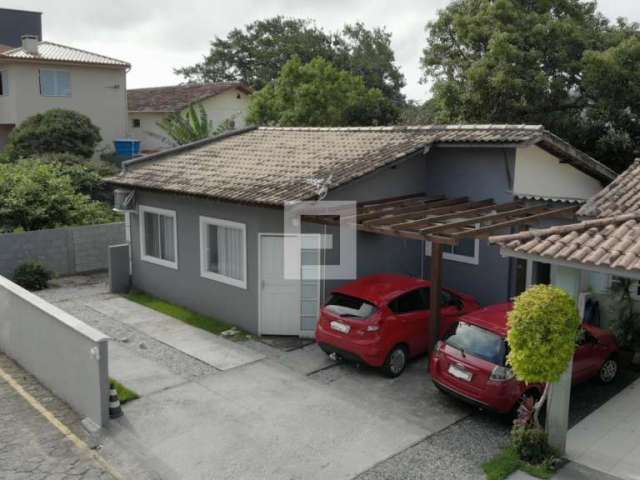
x=178, y=97
x=612, y=242
x=620, y=196
x=4, y=48
x=55, y=52
x=272, y=165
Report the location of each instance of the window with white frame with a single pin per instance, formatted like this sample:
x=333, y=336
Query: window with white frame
x=223, y=254
x=4, y=83
x=158, y=236
x=466, y=251
x=55, y=83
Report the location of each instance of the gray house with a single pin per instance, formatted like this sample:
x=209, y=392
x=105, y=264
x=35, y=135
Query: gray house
x=206, y=223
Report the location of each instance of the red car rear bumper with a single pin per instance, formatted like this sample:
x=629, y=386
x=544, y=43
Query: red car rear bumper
x=500, y=397
x=365, y=350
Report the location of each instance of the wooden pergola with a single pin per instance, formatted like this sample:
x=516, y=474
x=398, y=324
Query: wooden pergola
x=444, y=221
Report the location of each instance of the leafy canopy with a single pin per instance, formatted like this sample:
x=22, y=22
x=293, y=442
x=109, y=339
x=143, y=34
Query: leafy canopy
x=191, y=125
x=319, y=94
x=257, y=53
x=35, y=194
x=555, y=62
x=54, y=131
x=543, y=326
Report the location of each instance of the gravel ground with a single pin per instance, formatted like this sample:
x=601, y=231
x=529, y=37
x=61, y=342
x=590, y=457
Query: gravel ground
x=75, y=298
x=455, y=453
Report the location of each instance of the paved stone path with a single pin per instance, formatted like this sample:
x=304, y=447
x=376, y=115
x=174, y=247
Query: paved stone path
x=31, y=447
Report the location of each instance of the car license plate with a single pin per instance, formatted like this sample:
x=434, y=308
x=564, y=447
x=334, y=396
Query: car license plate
x=458, y=372
x=340, y=327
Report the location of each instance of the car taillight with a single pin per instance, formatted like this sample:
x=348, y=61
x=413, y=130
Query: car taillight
x=501, y=374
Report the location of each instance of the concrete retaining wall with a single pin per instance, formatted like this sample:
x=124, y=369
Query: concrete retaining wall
x=65, y=250
x=66, y=355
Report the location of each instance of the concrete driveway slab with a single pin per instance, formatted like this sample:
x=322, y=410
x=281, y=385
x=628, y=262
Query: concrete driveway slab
x=206, y=347
x=138, y=373
x=411, y=396
x=262, y=421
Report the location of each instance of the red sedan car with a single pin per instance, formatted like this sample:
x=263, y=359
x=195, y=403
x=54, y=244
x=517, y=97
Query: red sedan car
x=383, y=320
x=469, y=363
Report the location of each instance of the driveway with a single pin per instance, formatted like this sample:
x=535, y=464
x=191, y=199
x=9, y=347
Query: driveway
x=213, y=408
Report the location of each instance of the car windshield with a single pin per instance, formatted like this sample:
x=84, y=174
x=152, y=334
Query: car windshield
x=347, y=306
x=476, y=341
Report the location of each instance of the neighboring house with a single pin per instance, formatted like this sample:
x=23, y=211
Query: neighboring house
x=16, y=23
x=39, y=76
x=148, y=106
x=207, y=228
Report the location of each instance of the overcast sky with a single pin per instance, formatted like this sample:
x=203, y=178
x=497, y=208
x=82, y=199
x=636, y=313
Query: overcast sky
x=156, y=36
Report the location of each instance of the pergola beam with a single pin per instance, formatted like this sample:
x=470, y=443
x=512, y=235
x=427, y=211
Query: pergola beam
x=481, y=219
x=411, y=213
x=483, y=232
x=423, y=205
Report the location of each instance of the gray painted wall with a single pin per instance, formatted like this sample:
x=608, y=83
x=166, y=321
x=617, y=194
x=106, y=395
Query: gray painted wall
x=185, y=286
x=476, y=172
x=66, y=355
x=65, y=250
x=119, y=276
x=15, y=23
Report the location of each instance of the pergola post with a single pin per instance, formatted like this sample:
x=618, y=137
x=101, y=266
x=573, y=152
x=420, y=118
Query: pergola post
x=435, y=293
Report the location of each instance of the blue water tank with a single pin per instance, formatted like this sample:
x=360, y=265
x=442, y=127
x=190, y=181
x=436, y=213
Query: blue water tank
x=127, y=147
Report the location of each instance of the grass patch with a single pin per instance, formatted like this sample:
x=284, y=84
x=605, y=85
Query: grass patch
x=507, y=462
x=124, y=394
x=194, y=319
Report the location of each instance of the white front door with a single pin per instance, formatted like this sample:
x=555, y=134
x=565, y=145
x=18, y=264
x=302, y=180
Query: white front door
x=279, y=298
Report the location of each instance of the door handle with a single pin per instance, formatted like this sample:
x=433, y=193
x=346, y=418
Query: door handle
x=262, y=284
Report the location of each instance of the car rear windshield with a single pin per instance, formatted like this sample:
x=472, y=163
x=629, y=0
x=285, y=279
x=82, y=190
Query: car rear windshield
x=476, y=341
x=346, y=306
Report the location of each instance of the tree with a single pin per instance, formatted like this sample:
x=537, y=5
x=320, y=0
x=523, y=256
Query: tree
x=257, y=53
x=36, y=195
x=54, y=131
x=319, y=94
x=524, y=61
x=543, y=326
x=192, y=125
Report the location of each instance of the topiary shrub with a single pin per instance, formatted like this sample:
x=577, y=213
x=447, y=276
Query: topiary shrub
x=54, y=131
x=32, y=276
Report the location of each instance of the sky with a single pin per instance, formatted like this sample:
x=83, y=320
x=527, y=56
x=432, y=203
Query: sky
x=157, y=36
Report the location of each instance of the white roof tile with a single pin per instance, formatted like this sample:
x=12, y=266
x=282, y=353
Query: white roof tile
x=60, y=53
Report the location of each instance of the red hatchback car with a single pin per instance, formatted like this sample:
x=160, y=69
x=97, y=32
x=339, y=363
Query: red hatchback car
x=383, y=320
x=469, y=362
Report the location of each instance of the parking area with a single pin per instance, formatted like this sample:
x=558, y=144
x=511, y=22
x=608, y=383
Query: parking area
x=276, y=408
x=250, y=409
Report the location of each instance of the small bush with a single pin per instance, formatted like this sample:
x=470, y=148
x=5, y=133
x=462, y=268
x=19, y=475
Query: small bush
x=32, y=276
x=531, y=445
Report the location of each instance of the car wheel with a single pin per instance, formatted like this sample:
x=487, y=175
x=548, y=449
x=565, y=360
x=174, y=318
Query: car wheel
x=396, y=361
x=608, y=371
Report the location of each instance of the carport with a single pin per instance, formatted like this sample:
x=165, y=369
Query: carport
x=444, y=222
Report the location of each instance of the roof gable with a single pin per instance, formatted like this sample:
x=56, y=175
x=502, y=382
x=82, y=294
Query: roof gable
x=271, y=165
x=177, y=97
x=54, y=52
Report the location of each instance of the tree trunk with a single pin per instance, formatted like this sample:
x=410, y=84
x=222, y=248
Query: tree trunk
x=538, y=406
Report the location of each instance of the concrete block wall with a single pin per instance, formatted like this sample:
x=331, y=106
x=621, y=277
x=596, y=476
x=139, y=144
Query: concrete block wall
x=65, y=250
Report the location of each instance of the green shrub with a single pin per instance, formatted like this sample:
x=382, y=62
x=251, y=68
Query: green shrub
x=531, y=444
x=542, y=333
x=32, y=276
x=54, y=131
